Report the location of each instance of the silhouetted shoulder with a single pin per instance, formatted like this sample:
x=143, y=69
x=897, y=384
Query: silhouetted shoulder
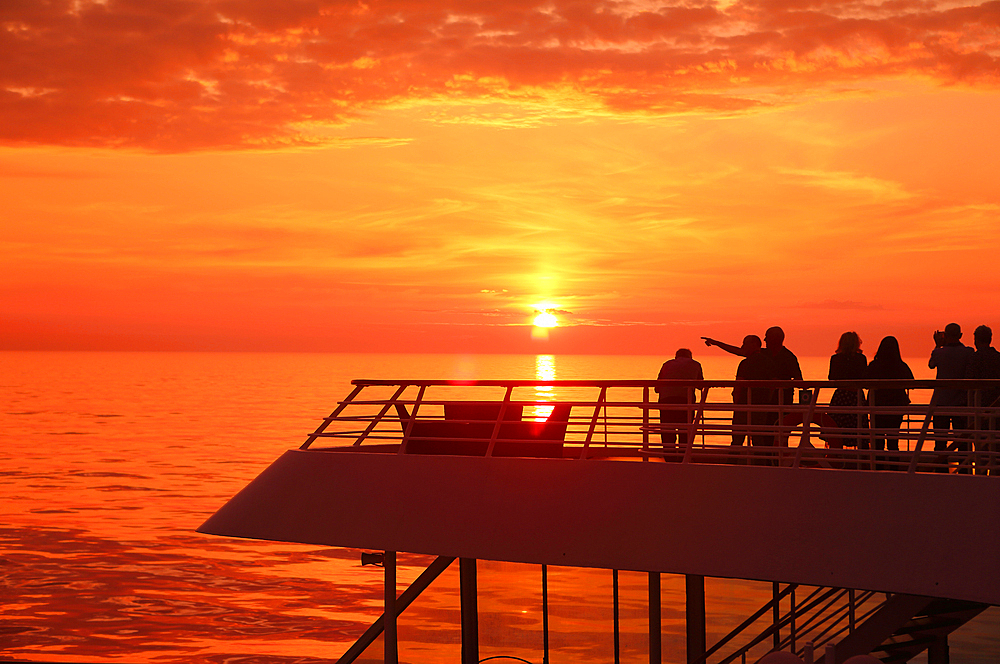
x=984, y=363
x=847, y=366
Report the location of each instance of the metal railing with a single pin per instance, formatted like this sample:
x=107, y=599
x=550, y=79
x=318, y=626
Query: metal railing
x=623, y=419
x=819, y=616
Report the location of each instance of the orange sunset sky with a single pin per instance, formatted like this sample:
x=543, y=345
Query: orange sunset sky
x=424, y=175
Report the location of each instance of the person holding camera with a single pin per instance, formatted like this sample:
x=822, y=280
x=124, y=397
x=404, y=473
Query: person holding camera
x=951, y=358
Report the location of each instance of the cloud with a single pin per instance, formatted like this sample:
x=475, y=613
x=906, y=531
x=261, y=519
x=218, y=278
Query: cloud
x=875, y=188
x=179, y=75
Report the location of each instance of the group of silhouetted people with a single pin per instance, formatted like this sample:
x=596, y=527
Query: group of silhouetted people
x=771, y=360
x=953, y=359
x=767, y=360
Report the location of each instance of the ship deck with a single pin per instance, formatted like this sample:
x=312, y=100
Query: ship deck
x=575, y=473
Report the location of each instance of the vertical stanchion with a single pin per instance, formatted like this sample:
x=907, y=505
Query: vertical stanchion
x=937, y=651
x=645, y=422
x=776, y=615
x=694, y=587
x=469, y=610
x=654, y=618
x=850, y=610
x=545, y=614
x=391, y=650
x=614, y=592
x=791, y=613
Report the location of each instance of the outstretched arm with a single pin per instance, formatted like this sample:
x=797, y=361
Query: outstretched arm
x=735, y=350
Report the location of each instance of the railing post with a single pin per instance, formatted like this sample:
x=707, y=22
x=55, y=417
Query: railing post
x=977, y=437
x=804, y=442
x=645, y=422
x=499, y=422
x=693, y=427
x=915, y=460
x=601, y=399
x=378, y=418
x=413, y=416
x=336, y=411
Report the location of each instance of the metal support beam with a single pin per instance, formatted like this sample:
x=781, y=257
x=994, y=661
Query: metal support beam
x=545, y=614
x=391, y=650
x=470, y=610
x=614, y=592
x=776, y=615
x=655, y=641
x=694, y=587
x=418, y=586
x=937, y=651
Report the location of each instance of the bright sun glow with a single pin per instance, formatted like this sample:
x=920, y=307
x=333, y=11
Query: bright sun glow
x=545, y=319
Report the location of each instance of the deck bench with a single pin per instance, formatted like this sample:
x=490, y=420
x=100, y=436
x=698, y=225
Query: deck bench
x=468, y=426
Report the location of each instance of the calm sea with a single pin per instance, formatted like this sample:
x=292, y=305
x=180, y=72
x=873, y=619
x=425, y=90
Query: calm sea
x=111, y=460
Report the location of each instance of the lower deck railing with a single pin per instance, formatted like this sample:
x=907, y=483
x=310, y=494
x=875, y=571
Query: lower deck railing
x=789, y=423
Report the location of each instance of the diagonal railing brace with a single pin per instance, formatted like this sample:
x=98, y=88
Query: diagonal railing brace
x=425, y=579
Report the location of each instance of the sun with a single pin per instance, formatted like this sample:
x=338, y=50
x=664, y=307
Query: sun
x=546, y=319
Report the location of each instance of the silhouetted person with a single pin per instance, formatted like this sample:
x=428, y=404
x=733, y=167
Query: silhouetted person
x=888, y=364
x=849, y=363
x=951, y=358
x=755, y=366
x=683, y=366
x=985, y=363
x=784, y=364
x=781, y=364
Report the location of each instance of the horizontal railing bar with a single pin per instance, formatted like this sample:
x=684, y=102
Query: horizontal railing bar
x=924, y=383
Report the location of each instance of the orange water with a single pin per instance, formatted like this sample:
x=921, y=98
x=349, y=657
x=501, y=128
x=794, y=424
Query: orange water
x=111, y=460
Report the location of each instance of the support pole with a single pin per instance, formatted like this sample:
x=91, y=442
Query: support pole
x=391, y=650
x=694, y=586
x=614, y=592
x=791, y=623
x=937, y=651
x=776, y=614
x=470, y=610
x=655, y=642
x=545, y=614
x=850, y=610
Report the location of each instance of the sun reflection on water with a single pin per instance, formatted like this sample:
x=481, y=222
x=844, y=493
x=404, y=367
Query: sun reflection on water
x=545, y=369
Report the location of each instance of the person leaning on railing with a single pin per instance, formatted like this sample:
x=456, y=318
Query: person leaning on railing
x=775, y=362
x=754, y=367
x=849, y=363
x=985, y=363
x=950, y=358
x=887, y=364
x=683, y=366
